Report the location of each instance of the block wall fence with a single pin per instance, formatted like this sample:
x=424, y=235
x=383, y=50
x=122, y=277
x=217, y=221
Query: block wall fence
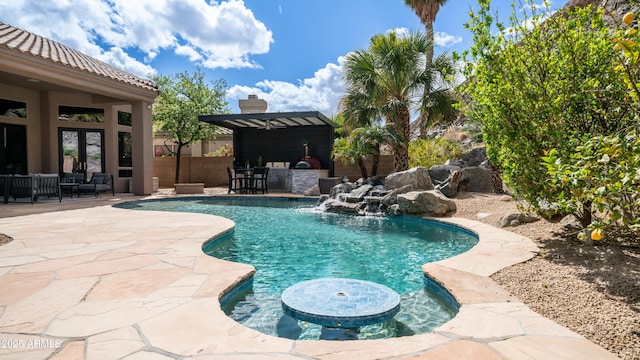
x=212, y=171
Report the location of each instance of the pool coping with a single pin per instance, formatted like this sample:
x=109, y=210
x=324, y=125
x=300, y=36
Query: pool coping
x=107, y=282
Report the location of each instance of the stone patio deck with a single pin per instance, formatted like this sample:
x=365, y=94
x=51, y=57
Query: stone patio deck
x=108, y=283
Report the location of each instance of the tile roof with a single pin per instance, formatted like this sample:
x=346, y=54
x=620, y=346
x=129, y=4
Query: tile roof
x=13, y=38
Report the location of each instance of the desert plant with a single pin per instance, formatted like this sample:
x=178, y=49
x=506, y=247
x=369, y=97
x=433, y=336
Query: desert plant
x=433, y=151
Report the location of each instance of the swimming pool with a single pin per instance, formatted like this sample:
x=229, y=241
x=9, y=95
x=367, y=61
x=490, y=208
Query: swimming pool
x=287, y=241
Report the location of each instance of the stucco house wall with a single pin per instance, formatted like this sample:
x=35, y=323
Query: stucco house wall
x=45, y=74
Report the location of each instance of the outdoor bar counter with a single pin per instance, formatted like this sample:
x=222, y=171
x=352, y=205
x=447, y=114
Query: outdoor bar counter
x=304, y=179
x=295, y=181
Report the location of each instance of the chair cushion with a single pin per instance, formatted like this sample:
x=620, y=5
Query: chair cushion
x=97, y=179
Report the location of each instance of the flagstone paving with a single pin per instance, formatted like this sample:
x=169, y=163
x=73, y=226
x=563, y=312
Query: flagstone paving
x=108, y=283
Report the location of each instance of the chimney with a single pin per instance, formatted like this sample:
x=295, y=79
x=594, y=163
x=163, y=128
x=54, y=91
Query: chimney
x=252, y=105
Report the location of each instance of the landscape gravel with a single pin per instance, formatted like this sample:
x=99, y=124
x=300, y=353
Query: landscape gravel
x=592, y=290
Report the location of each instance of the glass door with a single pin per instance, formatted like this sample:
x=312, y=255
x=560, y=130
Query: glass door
x=81, y=151
x=13, y=149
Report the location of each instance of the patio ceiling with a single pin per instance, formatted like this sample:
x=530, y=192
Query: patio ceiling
x=268, y=121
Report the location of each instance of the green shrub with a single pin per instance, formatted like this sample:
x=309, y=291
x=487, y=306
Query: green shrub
x=540, y=88
x=434, y=151
x=224, y=150
x=603, y=173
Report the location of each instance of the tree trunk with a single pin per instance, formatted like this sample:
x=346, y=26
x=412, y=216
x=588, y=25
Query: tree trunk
x=400, y=157
x=422, y=118
x=401, y=148
x=585, y=217
x=178, y=152
x=375, y=163
x=363, y=168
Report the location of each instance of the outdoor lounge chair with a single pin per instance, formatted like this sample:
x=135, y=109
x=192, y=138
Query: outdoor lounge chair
x=34, y=186
x=73, y=178
x=100, y=182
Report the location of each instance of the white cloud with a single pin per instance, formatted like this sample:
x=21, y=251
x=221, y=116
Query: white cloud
x=214, y=34
x=189, y=52
x=399, y=31
x=150, y=56
x=120, y=59
x=445, y=40
x=439, y=38
x=321, y=93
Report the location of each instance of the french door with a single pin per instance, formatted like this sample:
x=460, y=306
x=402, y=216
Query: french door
x=81, y=151
x=13, y=149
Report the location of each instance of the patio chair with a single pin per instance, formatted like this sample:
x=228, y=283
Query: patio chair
x=68, y=178
x=235, y=183
x=100, y=182
x=260, y=179
x=22, y=186
x=49, y=185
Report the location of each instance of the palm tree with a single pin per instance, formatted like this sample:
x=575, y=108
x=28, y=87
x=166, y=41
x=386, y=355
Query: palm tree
x=350, y=154
x=360, y=144
x=385, y=83
x=427, y=10
x=368, y=140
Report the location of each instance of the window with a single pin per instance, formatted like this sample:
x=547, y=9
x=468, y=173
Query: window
x=12, y=108
x=124, y=155
x=124, y=118
x=80, y=114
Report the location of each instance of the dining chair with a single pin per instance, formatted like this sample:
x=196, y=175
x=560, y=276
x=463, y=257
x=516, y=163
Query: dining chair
x=260, y=179
x=235, y=183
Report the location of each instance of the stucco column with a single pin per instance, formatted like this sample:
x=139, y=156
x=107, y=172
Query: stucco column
x=142, y=148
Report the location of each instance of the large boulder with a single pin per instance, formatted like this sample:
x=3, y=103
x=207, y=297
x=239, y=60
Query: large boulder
x=417, y=176
x=341, y=207
x=341, y=189
x=361, y=191
x=322, y=199
x=312, y=191
x=476, y=179
x=394, y=210
x=440, y=173
x=431, y=203
x=475, y=156
x=449, y=187
x=392, y=197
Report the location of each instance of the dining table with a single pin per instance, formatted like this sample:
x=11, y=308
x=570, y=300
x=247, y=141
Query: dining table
x=245, y=175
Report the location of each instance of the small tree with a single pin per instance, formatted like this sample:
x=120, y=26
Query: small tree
x=604, y=171
x=349, y=154
x=183, y=97
x=362, y=143
x=540, y=87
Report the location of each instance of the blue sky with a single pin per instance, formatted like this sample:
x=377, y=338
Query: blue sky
x=287, y=52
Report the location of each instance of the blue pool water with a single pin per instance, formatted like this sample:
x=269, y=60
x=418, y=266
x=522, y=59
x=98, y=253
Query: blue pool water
x=289, y=241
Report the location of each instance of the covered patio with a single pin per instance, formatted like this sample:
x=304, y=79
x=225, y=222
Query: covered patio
x=280, y=140
x=62, y=111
